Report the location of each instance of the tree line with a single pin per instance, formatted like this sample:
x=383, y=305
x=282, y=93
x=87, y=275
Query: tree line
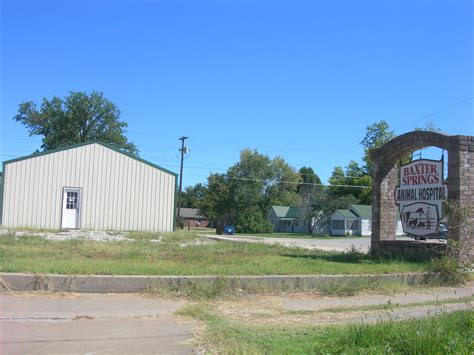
x=241, y=196
x=244, y=194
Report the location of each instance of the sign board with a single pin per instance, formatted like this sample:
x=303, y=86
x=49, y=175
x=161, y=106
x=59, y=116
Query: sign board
x=420, y=196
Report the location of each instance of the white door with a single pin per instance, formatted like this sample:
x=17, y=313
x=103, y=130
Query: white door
x=71, y=207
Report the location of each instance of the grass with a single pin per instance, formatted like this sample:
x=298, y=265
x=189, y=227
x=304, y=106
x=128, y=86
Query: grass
x=386, y=306
x=443, y=334
x=179, y=254
x=225, y=288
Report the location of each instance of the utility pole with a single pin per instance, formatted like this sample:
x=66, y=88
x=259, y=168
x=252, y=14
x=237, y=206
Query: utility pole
x=182, y=150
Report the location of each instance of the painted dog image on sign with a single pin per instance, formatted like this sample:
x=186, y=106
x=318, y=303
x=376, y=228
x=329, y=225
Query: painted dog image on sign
x=420, y=195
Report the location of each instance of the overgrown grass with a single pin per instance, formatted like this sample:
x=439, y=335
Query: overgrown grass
x=179, y=254
x=443, y=334
x=385, y=306
x=225, y=288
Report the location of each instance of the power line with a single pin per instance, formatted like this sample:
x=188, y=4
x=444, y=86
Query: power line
x=436, y=112
x=291, y=182
x=398, y=128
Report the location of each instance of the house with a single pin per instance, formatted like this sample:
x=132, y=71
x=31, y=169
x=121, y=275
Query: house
x=193, y=218
x=286, y=219
x=87, y=186
x=355, y=220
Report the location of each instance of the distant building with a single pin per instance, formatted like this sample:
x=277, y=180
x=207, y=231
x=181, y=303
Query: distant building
x=87, y=186
x=287, y=219
x=355, y=220
x=193, y=218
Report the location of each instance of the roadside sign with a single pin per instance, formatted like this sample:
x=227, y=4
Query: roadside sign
x=420, y=196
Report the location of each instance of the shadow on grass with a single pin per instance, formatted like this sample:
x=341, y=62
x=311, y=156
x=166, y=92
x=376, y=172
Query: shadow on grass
x=350, y=257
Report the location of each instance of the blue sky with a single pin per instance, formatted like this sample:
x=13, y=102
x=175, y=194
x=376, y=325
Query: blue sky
x=299, y=79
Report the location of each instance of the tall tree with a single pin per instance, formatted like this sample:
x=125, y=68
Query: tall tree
x=77, y=118
x=217, y=204
x=310, y=191
x=283, y=184
x=346, y=183
x=192, y=195
x=376, y=135
x=244, y=194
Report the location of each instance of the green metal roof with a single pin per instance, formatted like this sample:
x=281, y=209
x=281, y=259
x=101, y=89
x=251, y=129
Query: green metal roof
x=362, y=211
x=346, y=213
x=287, y=212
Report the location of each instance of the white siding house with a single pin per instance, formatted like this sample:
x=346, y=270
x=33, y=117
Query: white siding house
x=355, y=220
x=344, y=222
x=87, y=186
x=286, y=219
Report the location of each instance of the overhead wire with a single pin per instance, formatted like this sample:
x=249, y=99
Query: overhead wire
x=212, y=167
x=397, y=128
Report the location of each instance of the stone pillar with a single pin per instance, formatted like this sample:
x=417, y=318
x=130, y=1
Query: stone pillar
x=384, y=210
x=461, y=191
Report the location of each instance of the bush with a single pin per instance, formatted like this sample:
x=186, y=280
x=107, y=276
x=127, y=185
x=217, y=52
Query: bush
x=252, y=221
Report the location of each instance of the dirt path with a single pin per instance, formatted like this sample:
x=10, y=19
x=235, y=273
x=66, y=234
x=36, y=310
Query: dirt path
x=312, y=309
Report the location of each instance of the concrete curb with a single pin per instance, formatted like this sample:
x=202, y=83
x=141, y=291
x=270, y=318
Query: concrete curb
x=130, y=284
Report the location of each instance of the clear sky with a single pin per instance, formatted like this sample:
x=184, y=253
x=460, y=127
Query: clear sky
x=299, y=79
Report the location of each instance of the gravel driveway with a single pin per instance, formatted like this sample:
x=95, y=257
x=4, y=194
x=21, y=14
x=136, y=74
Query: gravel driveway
x=362, y=244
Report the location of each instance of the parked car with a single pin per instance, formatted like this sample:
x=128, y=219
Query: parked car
x=442, y=233
x=230, y=230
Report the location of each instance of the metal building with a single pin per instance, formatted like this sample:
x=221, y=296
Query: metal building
x=87, y=186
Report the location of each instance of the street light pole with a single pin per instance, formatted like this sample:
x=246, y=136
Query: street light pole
x=182, y=139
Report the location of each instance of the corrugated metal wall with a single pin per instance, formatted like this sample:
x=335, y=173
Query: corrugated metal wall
x=118, y=192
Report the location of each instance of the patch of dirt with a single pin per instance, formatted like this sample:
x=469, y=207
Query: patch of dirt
x=197, y=242
x=72, y=234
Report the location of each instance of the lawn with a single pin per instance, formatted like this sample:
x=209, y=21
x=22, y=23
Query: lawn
x=443, y=334
x=182, y=253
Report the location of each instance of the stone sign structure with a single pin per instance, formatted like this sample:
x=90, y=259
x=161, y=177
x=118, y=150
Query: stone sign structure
x=420, y=196
x=385, y=179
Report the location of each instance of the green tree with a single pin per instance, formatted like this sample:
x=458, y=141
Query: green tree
x=192, y=195
x=310, y=191
x=77, y=118
x=244, y=194
x=326, y=202
x=283, y=184
x=376, y=135
x=345, y=183
x=216, y=203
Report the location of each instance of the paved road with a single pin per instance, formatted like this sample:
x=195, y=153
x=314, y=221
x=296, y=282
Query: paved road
x=331, y=244
x=90, y=323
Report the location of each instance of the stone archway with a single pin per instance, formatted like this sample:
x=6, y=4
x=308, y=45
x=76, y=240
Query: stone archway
x=385, y=178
